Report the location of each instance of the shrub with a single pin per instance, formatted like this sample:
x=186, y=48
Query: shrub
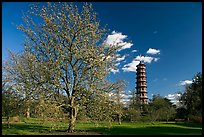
x=197, y=119
x=14, y=119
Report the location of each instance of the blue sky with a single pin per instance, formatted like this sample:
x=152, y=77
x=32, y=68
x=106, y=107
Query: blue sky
x=171, y=30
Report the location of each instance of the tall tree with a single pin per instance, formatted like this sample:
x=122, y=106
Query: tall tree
x=191, y=99
x=12, y=103
x=117, y=98
x=68, y=46
x=161, y=108
x=26, y=76
x=133, y=111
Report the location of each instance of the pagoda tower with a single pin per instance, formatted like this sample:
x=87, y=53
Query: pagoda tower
x=141, y=86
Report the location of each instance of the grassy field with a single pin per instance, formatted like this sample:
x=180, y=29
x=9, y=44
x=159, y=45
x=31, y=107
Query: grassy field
x=37, y=127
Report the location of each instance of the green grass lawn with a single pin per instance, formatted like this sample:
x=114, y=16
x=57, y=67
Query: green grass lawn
x=37, y=127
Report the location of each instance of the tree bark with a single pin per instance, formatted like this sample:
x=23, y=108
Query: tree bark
x=7, y=118
x=73, y=115
x=119, y=119
x=28, y=113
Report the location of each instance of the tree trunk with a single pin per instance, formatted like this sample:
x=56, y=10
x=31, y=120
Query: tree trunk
x=119, y=119
x=28, y=113
x=43, y=116
x=27, y=106
x=7, y=118
x=167, y=120
x=73, y=115
x=131, y=118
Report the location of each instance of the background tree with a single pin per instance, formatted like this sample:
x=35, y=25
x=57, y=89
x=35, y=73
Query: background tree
x=181, y=113
x=117, y=98
x=133, y=112
x=12, y=103
x=161, y=108
x=68, y=54
x=103, y=107
x=191, y=99
x=169, y=110
x=26, y=78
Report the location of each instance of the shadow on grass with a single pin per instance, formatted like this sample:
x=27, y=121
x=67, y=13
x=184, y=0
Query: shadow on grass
x=159, y=130
x=34, y=129
x=22, y=128
x=186, y=124
x=27, y=129
x=76, y=132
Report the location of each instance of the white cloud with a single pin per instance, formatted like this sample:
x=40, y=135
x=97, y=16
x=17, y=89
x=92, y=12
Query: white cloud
x=145, y=59
x=155, y=59
x=129, y=92
x=131, y=66
x=109, y=58
x=117, y=64
x=153, y=51
x=117, y=57
x=120, y=59
x=174, y=98
x=114, y=70
x=125, y=45
x=117, y=39
x=185, y=82
x=134, y=50
x=124, y=97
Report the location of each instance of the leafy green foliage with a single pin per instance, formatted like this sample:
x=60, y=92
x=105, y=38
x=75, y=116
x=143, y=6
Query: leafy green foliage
x=192, y=97
x=133, y=111
x=64, y=54
x=161, y=109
